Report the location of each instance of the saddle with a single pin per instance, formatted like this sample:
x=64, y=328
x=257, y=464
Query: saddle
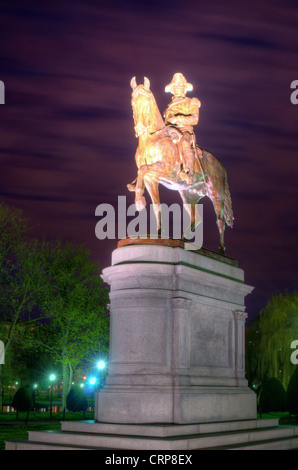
x=176, y=135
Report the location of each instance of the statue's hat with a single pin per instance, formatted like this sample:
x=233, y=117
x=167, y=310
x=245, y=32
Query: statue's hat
x=178, y=78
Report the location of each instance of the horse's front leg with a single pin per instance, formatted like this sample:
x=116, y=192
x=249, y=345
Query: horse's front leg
x=152, y=188
x=140, y=200
x=153, y=171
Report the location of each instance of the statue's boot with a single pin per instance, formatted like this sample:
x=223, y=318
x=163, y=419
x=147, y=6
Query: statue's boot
x=187, y=175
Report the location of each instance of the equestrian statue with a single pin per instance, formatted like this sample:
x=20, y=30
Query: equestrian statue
x=168, y=154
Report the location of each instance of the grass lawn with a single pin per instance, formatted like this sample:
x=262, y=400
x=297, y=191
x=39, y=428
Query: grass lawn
x=20, y=431
x=11, y=428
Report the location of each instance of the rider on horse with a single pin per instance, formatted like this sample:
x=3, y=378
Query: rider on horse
x=183, y=113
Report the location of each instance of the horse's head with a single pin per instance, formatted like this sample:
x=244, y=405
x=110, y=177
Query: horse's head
x=146, y=115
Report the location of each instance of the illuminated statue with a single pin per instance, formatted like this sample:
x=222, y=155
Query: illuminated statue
x=168, y=154
x=183, y=113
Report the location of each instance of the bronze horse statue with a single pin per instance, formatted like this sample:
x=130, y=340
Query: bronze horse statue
x=159, y=161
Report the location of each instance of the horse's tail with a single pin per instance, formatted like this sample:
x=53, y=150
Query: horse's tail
x=228, y=211
x=217, y=174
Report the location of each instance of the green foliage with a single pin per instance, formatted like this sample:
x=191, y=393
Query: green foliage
x=21, y=277
x=13, y=229
x=51, y=297
x=292, y=393
x=23, y=399
x=273, y=396
x=277, y=328
x=252, y=353
x=76, y=400
x=74, y=303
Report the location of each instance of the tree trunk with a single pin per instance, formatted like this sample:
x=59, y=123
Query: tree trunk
x=67, y=375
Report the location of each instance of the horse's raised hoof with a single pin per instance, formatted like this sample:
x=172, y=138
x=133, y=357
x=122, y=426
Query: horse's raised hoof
x=131, y=187
x=140, y=204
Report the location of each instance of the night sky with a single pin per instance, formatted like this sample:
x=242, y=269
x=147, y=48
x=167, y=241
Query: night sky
x=67, y=141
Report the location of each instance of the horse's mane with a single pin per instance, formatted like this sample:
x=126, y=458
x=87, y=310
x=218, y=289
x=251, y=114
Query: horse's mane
x=155, y=116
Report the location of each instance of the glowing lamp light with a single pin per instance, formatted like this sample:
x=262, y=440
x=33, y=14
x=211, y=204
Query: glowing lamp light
x=92, y=380
x=101, y=365
x=52, y=377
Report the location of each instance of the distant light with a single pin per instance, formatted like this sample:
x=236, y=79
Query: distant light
x=35, y=386
x=52, y=377
x=92, y=380
x=101, y=365
x=82, y=385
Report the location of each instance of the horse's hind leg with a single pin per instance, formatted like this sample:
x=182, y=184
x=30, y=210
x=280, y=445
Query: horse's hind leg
x=190, y=198
x=220, y=221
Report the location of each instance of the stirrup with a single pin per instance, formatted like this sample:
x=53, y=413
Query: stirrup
x=187, y=175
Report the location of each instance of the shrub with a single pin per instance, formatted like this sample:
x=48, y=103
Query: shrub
x=273, y=396
x=76, y=400
x=23, y=399
x=292, y=393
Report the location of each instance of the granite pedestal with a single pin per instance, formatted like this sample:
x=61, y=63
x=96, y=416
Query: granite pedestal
x=177, y=338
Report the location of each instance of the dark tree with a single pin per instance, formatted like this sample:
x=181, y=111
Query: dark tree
x=292, y=393
x=273, y=396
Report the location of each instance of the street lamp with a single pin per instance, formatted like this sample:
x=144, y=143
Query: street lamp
x=52, y=378
x=92, y=380
x=100, y=365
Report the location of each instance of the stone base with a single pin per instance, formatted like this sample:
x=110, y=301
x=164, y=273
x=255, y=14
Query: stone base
x=177, y=337
x=256, y=434
x=179, y=405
